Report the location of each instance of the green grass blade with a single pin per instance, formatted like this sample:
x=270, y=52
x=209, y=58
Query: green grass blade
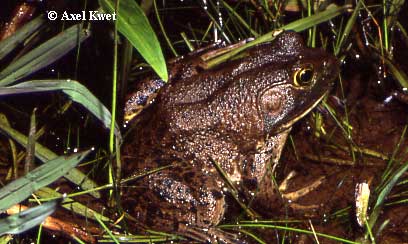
x=43, y=55
x=30, y=149
x=350, y=23
x=298, y=25
x=20, y=222
x=239, y=19
x=287, y=228
x=44, y=154
x=398, y=73
x=20, y=189
x=395, y=7
x=384, y=193
x=75, y=90
x=8, y=44
x=71, y=205
x=305, y=23
x=134, y=25
x=113, y=238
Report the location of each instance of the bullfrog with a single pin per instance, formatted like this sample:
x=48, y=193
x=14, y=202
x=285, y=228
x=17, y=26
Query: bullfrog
x=208, y=125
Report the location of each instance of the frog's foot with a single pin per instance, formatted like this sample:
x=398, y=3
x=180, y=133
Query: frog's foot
x=295, y=195
x=210, y=235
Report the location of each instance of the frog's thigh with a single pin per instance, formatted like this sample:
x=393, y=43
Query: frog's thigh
x=176, y=197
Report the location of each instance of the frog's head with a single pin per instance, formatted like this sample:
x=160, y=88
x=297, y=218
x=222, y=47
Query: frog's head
x=296, y=85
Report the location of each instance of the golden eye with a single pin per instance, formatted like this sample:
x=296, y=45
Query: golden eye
x=303, y=76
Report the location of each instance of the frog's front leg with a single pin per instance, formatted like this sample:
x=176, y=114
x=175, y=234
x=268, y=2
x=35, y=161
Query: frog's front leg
x=258, y=166
x=181, y=200
x=259, y=185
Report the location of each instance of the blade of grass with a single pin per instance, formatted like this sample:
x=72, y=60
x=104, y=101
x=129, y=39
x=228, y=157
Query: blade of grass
x=78, y=240
x=20, y=189
x=43, y=55
x=390, y=164
x=346, y=32
x=279, y=227
x=298, y=25
x=218, y=29
x=163, y=30
x=13, y=148
x=30, y=149
x=44, y=154
x=403, y=32
x=385, y=25
x=76, y=91
x=255, y=237
x=239, y=18
x=384, y=193
x=393, y=7
x=142, y=239
x=39, y=234
x=398, y=74
x=113, y=238
x=70, y=204
x=18, y=223
x=8, y=45
x=305, y=23
x=134, y=25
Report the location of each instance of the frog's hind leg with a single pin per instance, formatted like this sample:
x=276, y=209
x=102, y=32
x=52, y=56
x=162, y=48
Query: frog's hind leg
x=182, y=200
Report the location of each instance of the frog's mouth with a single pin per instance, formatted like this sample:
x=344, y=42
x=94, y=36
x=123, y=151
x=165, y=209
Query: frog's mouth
x=287, y=125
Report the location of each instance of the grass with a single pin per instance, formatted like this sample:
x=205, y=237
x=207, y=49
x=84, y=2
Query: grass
x=337, y=28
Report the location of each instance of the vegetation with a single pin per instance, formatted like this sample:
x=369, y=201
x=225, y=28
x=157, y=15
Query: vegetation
x=356, y=136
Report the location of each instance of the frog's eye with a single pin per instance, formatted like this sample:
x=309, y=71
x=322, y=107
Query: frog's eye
x=303, y=76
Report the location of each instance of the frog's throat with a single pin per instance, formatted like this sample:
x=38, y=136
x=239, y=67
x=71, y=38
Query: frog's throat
x=297, y=118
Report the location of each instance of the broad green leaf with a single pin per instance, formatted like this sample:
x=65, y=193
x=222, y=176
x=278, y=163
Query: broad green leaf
x=76, y=91
x=23, y=187
x=43, y=55
x=7, y=45
x=27, y=219
x=134, y=25
x=44, y=154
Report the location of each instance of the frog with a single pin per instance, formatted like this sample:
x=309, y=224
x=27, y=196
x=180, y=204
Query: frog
x=206, y=131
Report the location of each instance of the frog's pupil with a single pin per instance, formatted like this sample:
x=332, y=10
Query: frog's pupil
x=305, y=76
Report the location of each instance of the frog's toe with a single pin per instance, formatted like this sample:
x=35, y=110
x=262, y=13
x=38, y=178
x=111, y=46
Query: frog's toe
x=295, y=195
